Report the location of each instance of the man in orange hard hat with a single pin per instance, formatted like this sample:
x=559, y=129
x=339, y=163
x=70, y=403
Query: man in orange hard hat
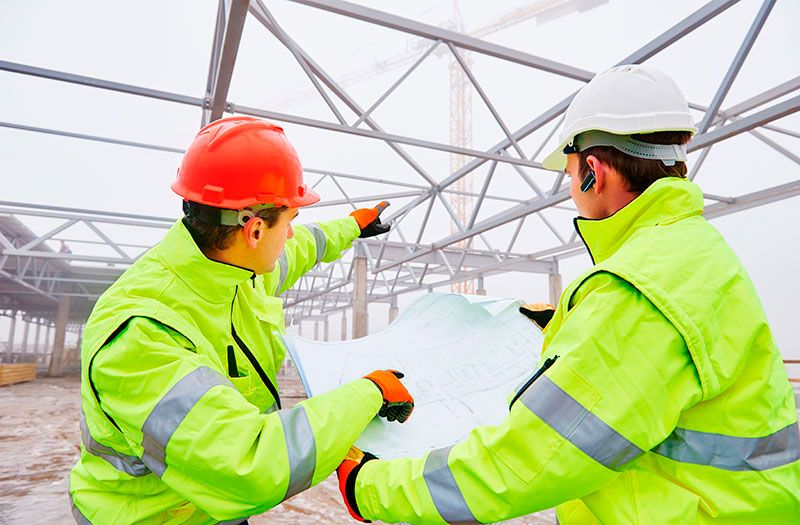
x=181, y=418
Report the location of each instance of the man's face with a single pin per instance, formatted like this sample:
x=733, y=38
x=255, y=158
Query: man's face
x=272, y=240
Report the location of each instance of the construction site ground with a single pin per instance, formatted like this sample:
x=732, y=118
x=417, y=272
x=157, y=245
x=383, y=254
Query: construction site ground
x=39, y=443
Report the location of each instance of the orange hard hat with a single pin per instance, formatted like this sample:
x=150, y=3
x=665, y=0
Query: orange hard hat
x=237, y=162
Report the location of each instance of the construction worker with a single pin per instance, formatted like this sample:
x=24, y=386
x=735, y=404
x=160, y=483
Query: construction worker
x=661, y=396
x=181, y=418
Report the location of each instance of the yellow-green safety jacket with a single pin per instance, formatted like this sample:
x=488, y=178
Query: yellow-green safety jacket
x=668, y=401
x=180, y=411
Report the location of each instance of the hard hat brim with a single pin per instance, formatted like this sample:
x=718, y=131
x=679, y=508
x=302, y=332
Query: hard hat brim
x=310, y=197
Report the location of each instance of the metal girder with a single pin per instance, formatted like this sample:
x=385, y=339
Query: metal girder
x=676, y=32
x=380, y=135
x=437, y=33
x=84, y=136
x=234, y=25
x=99, y=83
x=736, y=65
x=213, y=63
x=754, y=199
x=782, y=109
x=325, y=288
x=492, y=222
x=769, y=95
x=471, y=258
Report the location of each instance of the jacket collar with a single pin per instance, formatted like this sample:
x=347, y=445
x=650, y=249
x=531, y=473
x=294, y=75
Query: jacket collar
x=213, y=281
x=666, y=201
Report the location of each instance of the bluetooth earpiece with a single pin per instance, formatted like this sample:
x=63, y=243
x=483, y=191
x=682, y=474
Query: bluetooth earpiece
x=588, y=182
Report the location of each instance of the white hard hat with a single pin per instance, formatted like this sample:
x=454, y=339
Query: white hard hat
x=624, y=100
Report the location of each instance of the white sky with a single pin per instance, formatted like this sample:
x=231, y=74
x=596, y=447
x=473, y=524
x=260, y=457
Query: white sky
x=166, y=44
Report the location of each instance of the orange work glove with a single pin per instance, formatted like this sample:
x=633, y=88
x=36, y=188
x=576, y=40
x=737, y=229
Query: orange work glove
x=368, y=220
x=539, y=313
x=397, y=402
x=347, y=473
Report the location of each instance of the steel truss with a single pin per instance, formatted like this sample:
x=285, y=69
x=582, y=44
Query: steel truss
x=30, y=268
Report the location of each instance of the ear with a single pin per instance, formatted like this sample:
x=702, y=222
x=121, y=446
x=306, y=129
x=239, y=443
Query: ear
x=252, y=231
x=600, y=170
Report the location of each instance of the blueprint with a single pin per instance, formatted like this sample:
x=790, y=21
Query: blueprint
x=462, y=356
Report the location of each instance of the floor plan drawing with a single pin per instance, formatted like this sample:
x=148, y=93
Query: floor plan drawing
x=463, y=357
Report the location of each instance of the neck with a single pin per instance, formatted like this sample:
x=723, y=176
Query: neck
x=618, y=201
x=225, y=257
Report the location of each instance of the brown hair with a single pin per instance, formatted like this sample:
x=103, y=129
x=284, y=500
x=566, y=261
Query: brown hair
x=639, y=173
x=219, y=237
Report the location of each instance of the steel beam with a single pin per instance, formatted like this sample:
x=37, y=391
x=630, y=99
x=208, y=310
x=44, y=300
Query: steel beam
x=213, y=64
x=782, y=109
x=380, y=135
x=469, y=43
x=736, y=65
x=94, y=138
x=234, y=25
x=130, y=89
x=492, y=222
x=673, y=34
x=754, y=199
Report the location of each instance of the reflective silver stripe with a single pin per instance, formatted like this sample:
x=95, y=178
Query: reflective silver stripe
x=80, y=519
x=131, y=465
x=577, y=425
x=444, y=491
x=301, y=447
x=283, y=264
x=319, y=238
x=730, y=452
x=170, y=411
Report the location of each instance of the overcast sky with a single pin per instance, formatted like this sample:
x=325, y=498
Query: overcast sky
x=165, y=45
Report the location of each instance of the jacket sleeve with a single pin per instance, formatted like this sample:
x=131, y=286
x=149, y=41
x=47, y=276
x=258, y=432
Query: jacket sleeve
x=194, y=430
x=617, y=389
x=312, y=243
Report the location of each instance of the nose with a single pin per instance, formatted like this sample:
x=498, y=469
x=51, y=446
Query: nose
x=291, y=232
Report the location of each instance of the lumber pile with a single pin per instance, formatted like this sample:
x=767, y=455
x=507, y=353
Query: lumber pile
x=11, y=373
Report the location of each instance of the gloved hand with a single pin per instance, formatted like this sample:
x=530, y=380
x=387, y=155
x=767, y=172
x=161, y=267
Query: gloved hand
x=397, y=402
x=369, y=222
x=539, y=313
x=347, y=473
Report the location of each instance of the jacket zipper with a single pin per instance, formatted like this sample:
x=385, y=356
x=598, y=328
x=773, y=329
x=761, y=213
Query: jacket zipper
x=577, y=229
x=547, y=364
x=253, y=361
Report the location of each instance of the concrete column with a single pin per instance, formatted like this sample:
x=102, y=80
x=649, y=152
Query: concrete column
x=11, y=331
x=325, y=330
x=344, y=327
x=556, y=286
x=481, y=290
x=26, y=328
x=36, y=349
x=393, y=310
x=78, y=345
x=57, y=359
x=48, y=339
x=316, y=330
x=360, y=313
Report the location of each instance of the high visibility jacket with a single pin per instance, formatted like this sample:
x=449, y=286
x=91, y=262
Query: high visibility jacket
x=668, y=401
x=180, y=412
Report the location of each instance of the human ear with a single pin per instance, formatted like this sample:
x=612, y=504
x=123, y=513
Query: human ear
x=600, y=172
x=252, y=231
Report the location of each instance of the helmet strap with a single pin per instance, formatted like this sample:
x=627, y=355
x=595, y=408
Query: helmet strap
x=222, y=216
x=666, y=153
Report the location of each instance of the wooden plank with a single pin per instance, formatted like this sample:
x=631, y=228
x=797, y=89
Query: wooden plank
x=11, y=373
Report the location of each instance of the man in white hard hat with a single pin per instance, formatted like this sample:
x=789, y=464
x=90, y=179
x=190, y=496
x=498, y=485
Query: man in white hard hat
x=661, y=396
